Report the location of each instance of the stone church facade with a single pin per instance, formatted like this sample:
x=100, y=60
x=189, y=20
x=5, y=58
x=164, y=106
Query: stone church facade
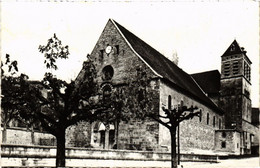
x=225, y=124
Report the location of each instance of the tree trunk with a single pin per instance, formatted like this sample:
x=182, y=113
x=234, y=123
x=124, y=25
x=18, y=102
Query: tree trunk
x=60, y=155
x=173, y=148
x=116, y=133
x=178, y=144
x=32, y=136
x=4, y=134
x=107, y=136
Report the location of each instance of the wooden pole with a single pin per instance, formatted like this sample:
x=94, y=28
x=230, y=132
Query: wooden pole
x=181, y=105
x=179, y=144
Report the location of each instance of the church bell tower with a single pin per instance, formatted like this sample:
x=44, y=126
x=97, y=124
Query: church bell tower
x=235, y=86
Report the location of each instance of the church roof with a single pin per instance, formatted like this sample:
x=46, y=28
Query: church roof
x=165, y=68
x=234, y=48
x=209, y=81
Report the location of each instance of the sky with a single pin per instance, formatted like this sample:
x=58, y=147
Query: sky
x=199, y=32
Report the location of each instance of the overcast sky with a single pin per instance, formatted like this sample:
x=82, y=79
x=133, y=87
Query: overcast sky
x=199, y=32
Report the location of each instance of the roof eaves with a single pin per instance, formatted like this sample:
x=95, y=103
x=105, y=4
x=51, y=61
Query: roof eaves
x=198, y=86
x=204, y=93
x=134, y=49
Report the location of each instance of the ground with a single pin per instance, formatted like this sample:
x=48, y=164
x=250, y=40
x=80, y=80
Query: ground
x=229, y=163
x=252, y=162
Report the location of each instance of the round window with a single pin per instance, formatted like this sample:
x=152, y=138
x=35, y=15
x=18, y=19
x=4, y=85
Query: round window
x=108, y=72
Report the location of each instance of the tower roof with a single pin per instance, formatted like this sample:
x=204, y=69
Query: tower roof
x=165, y=68
x=234, y=48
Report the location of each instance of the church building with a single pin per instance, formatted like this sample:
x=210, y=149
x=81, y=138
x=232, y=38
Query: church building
x=225, y=125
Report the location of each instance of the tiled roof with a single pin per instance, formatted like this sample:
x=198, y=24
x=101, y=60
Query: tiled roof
x=165, y=68
x=209, y=81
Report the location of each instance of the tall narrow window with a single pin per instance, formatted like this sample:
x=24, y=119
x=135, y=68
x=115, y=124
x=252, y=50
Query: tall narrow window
x=219, y=123
x=235, y=67
x=223, y=144
x=249, y=73
x=200, y=115
x=117, y=49
x=101, y=55
x=169, y=102
x=214, y=121
x=227, y=69
x=207, y=118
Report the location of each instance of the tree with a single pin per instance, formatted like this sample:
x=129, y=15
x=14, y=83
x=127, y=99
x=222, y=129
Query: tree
x=171, y=120
x=56, y=104
x=52, y=51
x=142, y=107
x=11, y=93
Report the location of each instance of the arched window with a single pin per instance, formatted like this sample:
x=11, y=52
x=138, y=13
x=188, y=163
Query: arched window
x=169, y=102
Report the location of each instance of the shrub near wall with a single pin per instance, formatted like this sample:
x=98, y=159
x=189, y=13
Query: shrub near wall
x=78, y=135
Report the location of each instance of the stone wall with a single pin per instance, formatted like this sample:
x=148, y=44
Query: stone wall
x=247, y=106
x=231, y=102
x=39, y=156
x=26, y=137
x=196, y=135
x=235, y=101
x=122, y=58
x=228, y=141
x=78, y=135
x=138, y=135
x=251, y=136
x=117, y=69
x=142, y=134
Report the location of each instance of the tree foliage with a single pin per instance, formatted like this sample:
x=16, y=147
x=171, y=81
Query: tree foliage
x=54, y=50
x=142, y=106
x=53, y=103
x=12, y=93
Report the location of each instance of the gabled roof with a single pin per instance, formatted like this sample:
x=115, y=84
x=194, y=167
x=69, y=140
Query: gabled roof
x=209, y=81
x=165, y=68
x=234, y=48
